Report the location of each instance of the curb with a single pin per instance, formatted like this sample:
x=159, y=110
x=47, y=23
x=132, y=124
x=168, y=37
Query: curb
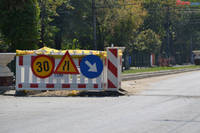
x=126, y=77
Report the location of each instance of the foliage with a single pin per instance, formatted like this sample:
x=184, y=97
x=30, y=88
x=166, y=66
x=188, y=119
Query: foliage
x=72, y=45
x=176, y=26
x=118, y=25
x=3, y=46
x=48, y=10
x=158, y=26
x=74, y=22
x=148, y=41
x=19, y=23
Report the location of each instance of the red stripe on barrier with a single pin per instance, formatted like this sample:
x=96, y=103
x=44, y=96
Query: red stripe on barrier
x=32, y=58
x=65, y=85
x=33, y=85
x=49, y=85
x=110, y=84
x=105, y=61
x=112, y=68
x=121, y=60
x=20, y=60
x=79, y=62
x=19, y=85
x=81, y=85
x=113, y=51
x=95, y=85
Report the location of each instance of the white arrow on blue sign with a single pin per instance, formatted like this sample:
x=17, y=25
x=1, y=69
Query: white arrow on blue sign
x=91, y=66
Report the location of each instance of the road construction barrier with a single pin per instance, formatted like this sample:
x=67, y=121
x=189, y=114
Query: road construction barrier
x=114, y=68
x=50, y=69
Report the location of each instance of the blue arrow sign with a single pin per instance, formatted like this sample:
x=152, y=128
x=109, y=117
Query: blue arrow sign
x=91, y=66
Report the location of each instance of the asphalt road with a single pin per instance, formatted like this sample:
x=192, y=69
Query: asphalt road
x=167, y=106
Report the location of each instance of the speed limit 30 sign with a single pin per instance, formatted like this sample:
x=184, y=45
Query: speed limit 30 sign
x=42, y=66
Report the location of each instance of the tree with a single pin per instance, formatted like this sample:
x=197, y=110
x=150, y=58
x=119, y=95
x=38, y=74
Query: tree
x=119, y=22
x=148, y=41
x=19, y=23
x=3, y=46
x=48, y=32
x=116, y=23
x=177, y=25
x=74, y=23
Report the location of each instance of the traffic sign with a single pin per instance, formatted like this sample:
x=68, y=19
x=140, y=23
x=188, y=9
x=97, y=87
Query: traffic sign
x=66, y=65
x=91, y=66
x=42, y=66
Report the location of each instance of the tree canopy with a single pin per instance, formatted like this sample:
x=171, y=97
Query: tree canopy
x=162, y=27
x=19, y=23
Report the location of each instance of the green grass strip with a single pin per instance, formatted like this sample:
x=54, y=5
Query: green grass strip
x=153, y=69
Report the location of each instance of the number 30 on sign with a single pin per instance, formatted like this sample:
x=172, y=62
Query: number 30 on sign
x=42, y=66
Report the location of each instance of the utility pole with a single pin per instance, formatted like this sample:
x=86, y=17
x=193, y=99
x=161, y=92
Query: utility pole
x=168, y=36
x=43, y=15
x=94, y=24
x=191, y=47
x=191, y=44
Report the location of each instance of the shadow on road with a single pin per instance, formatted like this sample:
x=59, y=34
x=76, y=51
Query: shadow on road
x=121, y=92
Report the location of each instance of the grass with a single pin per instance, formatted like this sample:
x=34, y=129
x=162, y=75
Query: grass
x=153, y=69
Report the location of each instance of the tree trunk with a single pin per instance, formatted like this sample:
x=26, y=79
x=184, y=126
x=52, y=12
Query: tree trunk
x=58, y=40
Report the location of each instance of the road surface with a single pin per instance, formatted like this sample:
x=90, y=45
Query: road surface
x=166, y=106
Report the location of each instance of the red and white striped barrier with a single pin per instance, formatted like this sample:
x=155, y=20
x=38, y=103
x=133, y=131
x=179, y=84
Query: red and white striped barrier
x=109, y=79
x=114, y=62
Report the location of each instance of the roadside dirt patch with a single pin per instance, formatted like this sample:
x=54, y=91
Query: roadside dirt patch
x=59, y=93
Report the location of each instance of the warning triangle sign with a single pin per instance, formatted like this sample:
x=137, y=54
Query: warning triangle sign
x=66, y=65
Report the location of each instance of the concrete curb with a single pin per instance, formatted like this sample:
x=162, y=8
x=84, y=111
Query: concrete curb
x=126, y=77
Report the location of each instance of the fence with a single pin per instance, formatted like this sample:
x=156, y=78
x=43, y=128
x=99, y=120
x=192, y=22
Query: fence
x=83, y=71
